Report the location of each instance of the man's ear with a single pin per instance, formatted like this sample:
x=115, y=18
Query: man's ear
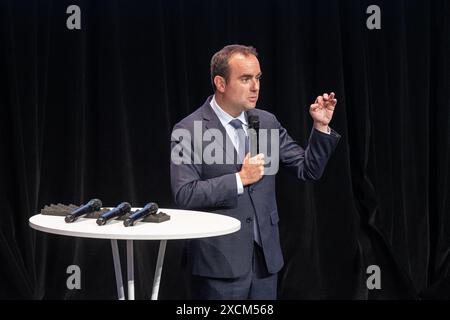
x=220, y=83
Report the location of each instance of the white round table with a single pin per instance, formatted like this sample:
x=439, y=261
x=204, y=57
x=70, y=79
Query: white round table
x=183, y=224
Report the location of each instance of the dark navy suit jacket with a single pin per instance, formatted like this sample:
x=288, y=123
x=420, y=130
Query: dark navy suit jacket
x=213, y=188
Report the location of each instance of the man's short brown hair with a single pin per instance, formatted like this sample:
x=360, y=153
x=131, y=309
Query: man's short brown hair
x=219, y=61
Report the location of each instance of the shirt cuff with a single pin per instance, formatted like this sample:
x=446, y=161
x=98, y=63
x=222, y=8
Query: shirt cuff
x=240, y=186
x=328, y=130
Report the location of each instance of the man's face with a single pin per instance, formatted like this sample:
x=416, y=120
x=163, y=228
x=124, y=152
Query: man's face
x=242, y=86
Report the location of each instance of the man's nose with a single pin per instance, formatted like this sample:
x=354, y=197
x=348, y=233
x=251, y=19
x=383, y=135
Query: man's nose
x=255, y=85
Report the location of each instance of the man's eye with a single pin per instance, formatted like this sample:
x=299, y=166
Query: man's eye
x=245, y=80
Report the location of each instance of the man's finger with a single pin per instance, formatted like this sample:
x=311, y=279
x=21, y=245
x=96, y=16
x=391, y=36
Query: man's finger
x=320, y=100
x=316, y=107
x=325, y=96
x=332, y=102
x=252, y=160
x=247, y=156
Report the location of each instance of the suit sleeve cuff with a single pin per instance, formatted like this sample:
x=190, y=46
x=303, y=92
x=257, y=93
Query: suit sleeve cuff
x=331, y=133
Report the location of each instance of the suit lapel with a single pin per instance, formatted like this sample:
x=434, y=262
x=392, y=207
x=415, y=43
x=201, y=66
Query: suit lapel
x=211, y=121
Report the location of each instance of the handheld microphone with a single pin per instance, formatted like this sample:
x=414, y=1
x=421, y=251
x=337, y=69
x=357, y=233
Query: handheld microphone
x=253, y=123
x=91, y=206
x=150, y=208
x=118, y=211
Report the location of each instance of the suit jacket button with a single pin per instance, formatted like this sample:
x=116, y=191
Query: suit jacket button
x=249, y=220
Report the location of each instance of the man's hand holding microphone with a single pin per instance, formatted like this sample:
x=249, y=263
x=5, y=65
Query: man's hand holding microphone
x=252, y=169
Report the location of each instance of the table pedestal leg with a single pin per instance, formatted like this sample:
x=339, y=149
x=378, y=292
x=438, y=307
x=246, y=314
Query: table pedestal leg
x=117, y=270
x=158, y=270
x=130, y=269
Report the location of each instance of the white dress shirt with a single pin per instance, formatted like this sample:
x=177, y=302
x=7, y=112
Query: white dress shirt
x=225, y=119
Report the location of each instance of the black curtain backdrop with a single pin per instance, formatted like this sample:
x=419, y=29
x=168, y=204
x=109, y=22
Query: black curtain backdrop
x=88, y=114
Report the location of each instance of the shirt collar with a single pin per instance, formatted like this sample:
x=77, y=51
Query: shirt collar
x=224, y=117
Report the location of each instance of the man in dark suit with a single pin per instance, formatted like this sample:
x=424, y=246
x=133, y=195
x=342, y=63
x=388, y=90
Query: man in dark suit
x=244, y=264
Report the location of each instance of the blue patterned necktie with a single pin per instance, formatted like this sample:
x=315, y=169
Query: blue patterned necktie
x=243, y=149
x=243, y=138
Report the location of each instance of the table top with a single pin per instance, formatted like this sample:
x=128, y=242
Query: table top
x=183, y=224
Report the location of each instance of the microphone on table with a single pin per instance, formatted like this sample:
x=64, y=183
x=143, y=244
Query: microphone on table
x=118, y=211
x=91, y=206
x=253, y=123
x=150, y=208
